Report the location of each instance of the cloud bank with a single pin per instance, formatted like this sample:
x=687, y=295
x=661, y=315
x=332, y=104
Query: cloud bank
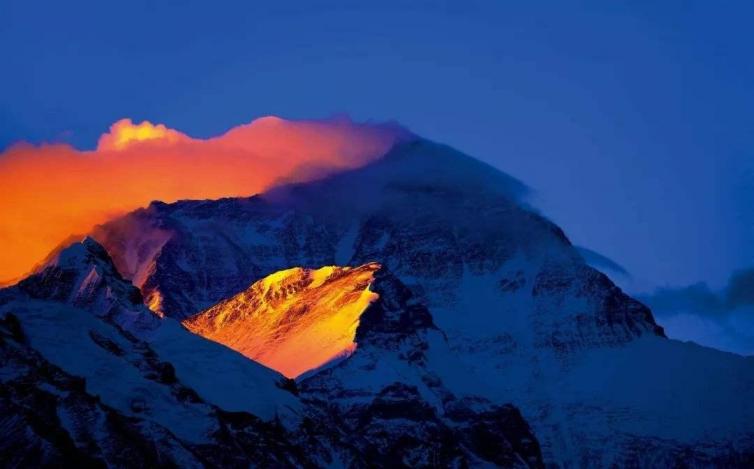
x=50, y=192
x=723, y=320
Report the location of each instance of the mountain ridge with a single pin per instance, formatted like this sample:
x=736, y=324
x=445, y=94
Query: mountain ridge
x=319, y=309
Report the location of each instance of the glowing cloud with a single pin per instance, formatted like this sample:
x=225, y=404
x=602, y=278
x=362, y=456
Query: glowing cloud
x=124, y=132
x=50, y=192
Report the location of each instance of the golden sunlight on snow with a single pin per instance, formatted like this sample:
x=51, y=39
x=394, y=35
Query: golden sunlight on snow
x=293, y=320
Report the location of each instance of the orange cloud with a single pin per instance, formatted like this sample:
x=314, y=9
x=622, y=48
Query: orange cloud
x=124, y=133
x=50, y=192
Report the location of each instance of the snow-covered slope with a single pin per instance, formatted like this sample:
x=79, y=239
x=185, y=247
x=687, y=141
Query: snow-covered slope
x=49, y=418
x=82, y=316
x=293, y=320
x=52, y=418
x=392, y=397
x=400, y=398
x=520, y=309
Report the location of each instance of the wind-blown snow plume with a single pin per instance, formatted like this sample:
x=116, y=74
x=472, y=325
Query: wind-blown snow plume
x=49, y=192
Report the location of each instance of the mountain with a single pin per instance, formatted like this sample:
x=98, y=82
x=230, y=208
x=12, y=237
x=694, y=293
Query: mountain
x=293, y=320
x=523, y=318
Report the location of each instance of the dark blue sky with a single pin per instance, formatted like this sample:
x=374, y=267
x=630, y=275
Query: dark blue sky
x=632, y=123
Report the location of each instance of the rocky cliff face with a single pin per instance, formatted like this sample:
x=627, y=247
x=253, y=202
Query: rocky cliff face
x=49, y=418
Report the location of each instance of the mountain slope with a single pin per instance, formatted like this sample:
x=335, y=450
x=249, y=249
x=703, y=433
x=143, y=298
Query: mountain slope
x=516, y=302
x=48, y=417
x=81, y=315
x=52, y=418
x=384, y=399
x=83, y=275
x=293, y=320
x=161, y=396
x=392, y=401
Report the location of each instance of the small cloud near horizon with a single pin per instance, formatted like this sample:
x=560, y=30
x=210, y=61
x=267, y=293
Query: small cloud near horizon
x=719, y=319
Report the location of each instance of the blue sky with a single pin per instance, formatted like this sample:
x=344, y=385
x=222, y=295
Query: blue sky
x=632, y=123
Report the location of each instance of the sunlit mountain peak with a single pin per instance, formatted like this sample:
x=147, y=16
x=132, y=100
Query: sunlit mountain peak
x=293, y=320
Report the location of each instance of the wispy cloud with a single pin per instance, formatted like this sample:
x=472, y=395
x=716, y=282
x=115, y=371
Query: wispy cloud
x=720, y=319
